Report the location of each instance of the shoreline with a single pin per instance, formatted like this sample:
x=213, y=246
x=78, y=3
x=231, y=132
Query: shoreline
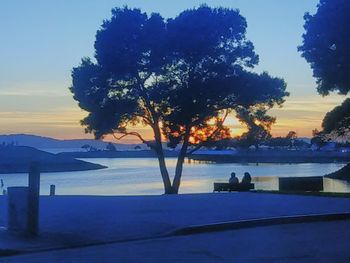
x=263, y=156
x=17, y=159
x=291, y=157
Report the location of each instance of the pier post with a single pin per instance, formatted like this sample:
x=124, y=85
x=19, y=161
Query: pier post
x=23, y=205
x=33, y=199
x=52, y=190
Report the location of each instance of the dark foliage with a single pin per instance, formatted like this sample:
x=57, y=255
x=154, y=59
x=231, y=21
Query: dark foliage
x=174, y=76
x=338, y=119
x=326, y=45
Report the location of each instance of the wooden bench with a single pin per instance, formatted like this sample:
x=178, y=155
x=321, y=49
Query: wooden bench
x=218, y=187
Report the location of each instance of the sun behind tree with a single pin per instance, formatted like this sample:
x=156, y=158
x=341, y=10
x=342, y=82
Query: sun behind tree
x=181, y=77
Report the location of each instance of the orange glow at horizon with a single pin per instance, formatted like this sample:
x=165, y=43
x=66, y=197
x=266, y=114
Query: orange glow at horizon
x=62, y=121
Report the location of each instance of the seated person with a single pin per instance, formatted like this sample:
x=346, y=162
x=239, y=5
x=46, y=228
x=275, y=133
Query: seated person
x=247, y=179
x=233, y=179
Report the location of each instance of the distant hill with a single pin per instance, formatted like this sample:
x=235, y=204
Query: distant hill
x=41, y=142
x=16, y=159
x=118, y=154
x=305, y=139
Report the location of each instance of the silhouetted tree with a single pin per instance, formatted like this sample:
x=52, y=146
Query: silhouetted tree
x=291, y=135
x=181, y=77
x=326, y=47
x=337, y=121
x=258, y=124
x=290, y=140
x=318, y=138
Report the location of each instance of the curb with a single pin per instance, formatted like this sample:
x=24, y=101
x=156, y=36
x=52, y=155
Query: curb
x=251, y=223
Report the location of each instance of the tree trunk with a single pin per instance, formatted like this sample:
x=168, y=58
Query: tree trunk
x=161, y=159
x=179, y=164
x=164, y=172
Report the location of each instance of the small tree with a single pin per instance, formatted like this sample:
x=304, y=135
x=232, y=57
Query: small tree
x=318, y=138
x=258, y=124
x=181, y=77
x=291, y=135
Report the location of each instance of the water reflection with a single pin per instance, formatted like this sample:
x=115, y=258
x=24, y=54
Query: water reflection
x=265, y=183
x=329, y=185
x=339, y=186
x=140, y=176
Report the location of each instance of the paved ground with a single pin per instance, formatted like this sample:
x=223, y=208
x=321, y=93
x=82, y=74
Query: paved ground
x=77, y=220
x=312, y=242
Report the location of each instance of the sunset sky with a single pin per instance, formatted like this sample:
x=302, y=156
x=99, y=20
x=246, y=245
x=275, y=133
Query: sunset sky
x=41, y=40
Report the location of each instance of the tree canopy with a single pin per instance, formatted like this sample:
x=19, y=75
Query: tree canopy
x=326, y=45
x=337, y=121
x=181, y=77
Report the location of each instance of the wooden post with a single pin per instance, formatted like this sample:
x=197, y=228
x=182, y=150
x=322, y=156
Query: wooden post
x=33, y=199
x=52, y=190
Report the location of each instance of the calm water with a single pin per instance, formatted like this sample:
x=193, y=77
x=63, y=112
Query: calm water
x=140, y=176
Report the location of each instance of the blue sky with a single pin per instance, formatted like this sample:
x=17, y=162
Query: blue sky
x=41, y=40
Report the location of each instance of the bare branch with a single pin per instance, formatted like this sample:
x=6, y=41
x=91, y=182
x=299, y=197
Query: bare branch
x=145, y=118
x=129, y=134
x=145, y=98
x=136, y=134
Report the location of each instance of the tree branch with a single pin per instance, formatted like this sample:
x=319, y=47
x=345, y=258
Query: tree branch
x=136, y=134
x=146, y=99
x=145, y=118
x=150, y=144
x=219, y=127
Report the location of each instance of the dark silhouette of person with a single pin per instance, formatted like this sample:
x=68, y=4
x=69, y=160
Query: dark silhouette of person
x=247, y=179
x=233, y=179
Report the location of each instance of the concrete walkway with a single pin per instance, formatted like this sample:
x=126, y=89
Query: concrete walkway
x=68, y=221
x=316, y=242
